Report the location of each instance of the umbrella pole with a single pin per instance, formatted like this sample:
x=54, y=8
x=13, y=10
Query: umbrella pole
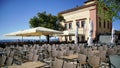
x=48, y=38
x=39, y=39
x=22, y=40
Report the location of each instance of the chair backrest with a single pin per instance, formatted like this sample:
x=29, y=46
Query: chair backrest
x=90, y=53
x=118, y=50
x=34, y=46
x=19, y=48
x=67, y=52
x=59, y=63
x=35, y=51
x=60, y=53
x=8, y=52
x=49, y=48
x=105, y=47
x=64, y=52
x=78, y=50
x=55, y=63
x=1, y=49
x=85, y=51
x=65, y=65
x=24, y=48
x=94, y=61
x=82, y=49
x=31, y=50
x=71, y=52
x=96, y=52
x=100, y=48
x=82, y=58
x=103, y=55
x=9, y=61
x=89, y=49
x=55, y=53
x=94, y=47
x=69, y=65
x=12, y=53
x=3, y=59
x=35, y=57
x=111, y=51
x=37, y=47
x=30, y=56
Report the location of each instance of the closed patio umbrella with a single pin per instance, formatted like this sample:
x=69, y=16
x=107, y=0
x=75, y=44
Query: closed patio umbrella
x=113, y=36
x=90, y=40
x=76, y=34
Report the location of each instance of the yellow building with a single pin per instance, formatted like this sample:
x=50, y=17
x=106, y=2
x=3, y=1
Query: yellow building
x=81, y=16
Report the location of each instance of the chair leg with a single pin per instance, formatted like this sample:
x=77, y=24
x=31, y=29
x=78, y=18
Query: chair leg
x=80, y=66
x=85, y=66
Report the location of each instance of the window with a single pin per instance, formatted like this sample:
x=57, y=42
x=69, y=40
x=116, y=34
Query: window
x=70, y=38
x=65, y=26
x=78, y=24
x=83, y=38
x=66, y=38
x=104, y=24
x=99, y=22
x=82, y=23
x=70, y=25
x=108, y=25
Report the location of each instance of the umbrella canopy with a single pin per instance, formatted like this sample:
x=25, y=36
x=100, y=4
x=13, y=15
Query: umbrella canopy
x=34, y=32
x=17, y=33
x=39, y=31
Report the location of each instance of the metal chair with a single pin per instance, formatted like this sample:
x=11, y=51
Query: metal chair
x=94, y=61
x=58, y=63
x=82, y=60
x=2, y=61
x=35, y=57
x=9, y=61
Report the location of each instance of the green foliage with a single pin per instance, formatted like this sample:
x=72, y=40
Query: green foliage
x=110, y=9
x=47, y=20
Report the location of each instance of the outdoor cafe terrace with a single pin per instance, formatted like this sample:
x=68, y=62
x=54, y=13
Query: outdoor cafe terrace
x=60, y=56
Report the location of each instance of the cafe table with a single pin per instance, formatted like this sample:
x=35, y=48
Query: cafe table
x=115, y=61
x=15, y=66
x=33, y=64
x=29, y=65
x=70, y=57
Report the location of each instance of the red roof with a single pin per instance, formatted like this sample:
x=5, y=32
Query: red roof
x=76, y=8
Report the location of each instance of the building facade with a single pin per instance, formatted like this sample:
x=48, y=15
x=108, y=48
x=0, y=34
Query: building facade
x=82, y=16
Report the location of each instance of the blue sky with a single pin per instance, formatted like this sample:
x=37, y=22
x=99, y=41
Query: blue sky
x=15, y=14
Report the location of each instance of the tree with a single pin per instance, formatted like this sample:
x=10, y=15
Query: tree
x=110, y=8
x=47, y=20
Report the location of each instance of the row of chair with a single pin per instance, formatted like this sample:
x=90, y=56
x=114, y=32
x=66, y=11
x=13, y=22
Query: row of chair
x=44, y=52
